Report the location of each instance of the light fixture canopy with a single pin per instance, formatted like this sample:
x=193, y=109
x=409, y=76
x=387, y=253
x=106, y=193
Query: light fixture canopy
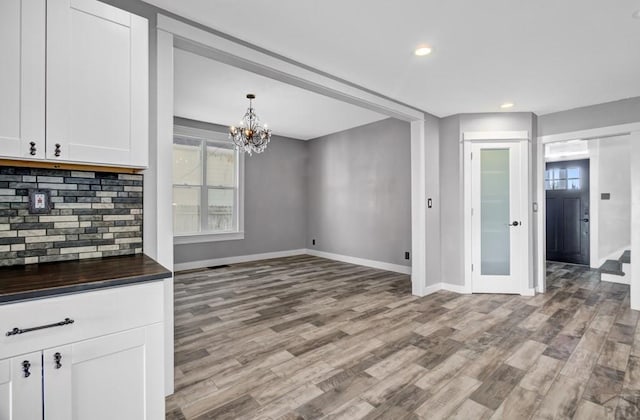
x=507, y=105
x=422, y=50
x=251, y=136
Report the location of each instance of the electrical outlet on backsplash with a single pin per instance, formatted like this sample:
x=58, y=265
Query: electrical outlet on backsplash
x=92, y=214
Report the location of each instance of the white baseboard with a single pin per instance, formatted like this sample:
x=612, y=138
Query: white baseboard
x=361, y=261
x=268, y=255
x=463, y=290
x=612, y=278
x=456, y=288
x=239, y=259
x=432, y=289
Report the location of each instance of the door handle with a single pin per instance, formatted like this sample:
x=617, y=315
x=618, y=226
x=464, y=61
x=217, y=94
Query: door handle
x=515, y=223
x=586, y=220
x=57, y=358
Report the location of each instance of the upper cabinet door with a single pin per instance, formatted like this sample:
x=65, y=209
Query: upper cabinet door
x=22, y=78
x=97, y=84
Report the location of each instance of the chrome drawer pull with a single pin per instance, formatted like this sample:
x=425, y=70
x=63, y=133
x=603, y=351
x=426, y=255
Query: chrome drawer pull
x=17, y=331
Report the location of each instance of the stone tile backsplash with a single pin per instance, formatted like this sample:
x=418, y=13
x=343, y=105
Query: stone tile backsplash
x=93, y=214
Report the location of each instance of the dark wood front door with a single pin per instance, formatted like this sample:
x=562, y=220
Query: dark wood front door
x=567, y=195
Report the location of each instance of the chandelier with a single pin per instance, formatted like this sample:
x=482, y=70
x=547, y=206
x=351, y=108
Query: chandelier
x=251, y=136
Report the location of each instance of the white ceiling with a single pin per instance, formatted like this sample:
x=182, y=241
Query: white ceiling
x=544, y=55
x=207, y=90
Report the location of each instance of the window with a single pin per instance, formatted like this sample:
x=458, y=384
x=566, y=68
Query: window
x=207, y=187
x=562, y=179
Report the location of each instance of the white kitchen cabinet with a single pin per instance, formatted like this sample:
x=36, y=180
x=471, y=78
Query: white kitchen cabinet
x=22, y=78
x=74, y=82
x=103, y=378
x=106, y=364
x=21, y=387
x=97, y=84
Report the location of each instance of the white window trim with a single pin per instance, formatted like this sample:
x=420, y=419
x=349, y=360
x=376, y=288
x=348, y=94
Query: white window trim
x=202, y=237
x=199, y=238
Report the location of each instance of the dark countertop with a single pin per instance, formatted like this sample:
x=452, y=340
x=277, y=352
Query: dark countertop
x=31, y=281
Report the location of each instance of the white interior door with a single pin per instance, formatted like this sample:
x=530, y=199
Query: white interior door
x=498, y=197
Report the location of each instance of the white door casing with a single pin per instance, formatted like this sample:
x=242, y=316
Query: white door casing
x=520, y=260
x=498, y=261
x=632, y=129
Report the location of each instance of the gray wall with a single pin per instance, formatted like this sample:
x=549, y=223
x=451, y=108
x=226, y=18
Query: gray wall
x=602, y=115
x=536, y=179
x=433, y=216
x=614, y=177
x=451, y=194
x=360, y=192
x=452, y=182
x=275, y=216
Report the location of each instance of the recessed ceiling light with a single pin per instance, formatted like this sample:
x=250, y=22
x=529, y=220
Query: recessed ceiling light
x=507, y=105
x=422, y=50
x=636, y=14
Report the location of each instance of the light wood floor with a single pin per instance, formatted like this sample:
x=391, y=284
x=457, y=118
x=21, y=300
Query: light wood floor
x=306, y=338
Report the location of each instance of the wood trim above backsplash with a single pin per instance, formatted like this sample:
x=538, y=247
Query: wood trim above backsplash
x=68, y=166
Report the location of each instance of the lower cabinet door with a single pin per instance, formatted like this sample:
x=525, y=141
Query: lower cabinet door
x=21, y=387
x=99, y=379
x=57, y=370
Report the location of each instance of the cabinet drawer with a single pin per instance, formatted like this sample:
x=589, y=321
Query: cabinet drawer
x=94, y=314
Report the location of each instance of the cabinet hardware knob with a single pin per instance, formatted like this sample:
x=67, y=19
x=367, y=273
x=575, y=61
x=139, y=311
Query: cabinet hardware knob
x=25, y=368
x=57, y=358
x=57, y=151
x=32, y=148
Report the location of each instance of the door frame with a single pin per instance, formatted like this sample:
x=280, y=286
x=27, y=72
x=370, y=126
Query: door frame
x=158, y=230
x=632, y=129
x=592, y=159
x=593, y=156
x=468, y=138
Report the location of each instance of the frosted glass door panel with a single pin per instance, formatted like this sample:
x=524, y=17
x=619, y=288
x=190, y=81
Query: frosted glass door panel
x=495, y=214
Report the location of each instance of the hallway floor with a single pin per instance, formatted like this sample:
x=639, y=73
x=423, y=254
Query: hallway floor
x=305, y=338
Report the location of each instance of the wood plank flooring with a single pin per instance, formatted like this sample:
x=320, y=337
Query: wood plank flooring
x=308, y=338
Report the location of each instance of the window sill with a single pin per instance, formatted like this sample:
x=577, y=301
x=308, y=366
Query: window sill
x=207, y=237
